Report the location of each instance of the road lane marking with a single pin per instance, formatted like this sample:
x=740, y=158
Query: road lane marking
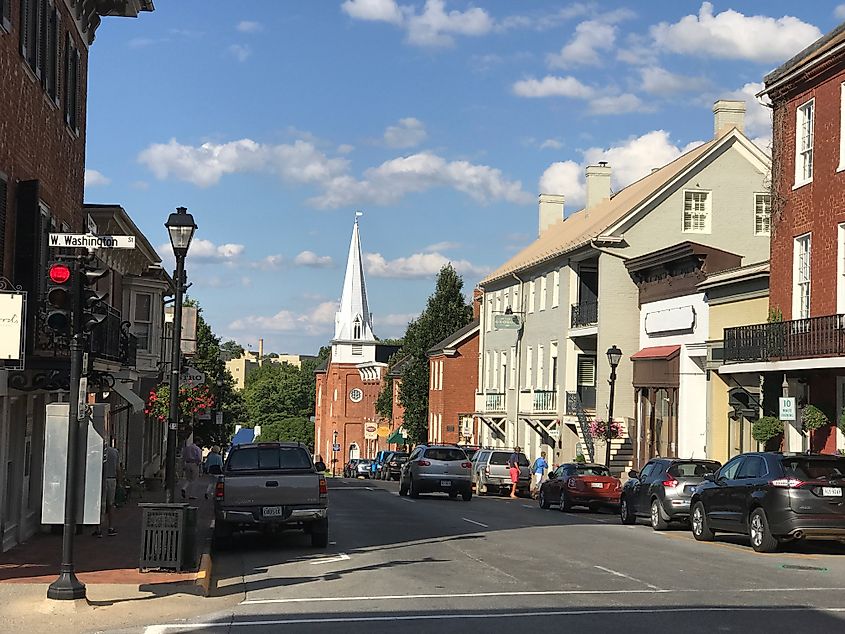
x=616, y=573
x=466, y=519
x=528, y=506
x=330, y=560
x=160, y=629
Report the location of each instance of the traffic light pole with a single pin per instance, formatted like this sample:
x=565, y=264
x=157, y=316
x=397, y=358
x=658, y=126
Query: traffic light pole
x=175, y=363
x=67, y=586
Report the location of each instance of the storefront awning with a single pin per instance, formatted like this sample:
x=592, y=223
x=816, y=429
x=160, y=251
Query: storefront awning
x=658, y=366
x=657, y=352
x=125, y=391
x=396, y=438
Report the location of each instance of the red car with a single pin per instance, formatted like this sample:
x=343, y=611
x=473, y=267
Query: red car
x=576, y=484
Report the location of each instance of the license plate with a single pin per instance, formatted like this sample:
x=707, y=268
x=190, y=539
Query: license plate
x=596, y=485
x=445, y=483
x=271, y=511
x=832, y=491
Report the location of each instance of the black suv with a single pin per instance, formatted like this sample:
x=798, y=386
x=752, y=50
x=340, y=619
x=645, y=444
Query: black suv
x=773, y=497
x=662, y=490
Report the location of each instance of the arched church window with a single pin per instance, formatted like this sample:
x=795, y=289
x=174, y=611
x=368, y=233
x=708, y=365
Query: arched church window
x=356, y=331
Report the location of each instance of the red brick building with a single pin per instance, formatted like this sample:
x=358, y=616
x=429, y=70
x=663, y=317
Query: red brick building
x=453, y=372
x=346, y=424
x=802, y=347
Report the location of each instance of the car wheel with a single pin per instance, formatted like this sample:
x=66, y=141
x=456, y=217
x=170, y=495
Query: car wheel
x=700, y=527
x=625, y=513
x=658, y=521
x=565, y=503
x=412, y=490
x=403, y=490
x=320, y=534
x=541, y=499
x=481, y=489
x=762, y=539
x=467, y=495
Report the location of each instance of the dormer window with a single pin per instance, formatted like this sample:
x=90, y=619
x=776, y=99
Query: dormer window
x=356, y=329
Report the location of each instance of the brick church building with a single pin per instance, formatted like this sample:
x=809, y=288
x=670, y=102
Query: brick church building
x=348, y=384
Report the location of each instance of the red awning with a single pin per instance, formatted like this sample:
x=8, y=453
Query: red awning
x=657, y=352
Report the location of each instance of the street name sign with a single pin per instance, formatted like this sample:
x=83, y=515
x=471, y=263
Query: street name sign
x=506, y=322
x=787, y=408
x=90, y=241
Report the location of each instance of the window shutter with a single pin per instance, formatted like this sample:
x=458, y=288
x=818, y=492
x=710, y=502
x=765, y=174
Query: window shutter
x=24, y=28
x=6, y=15
x=586, y=371
x=4, y=197
x=27, y=240
x=41, y=39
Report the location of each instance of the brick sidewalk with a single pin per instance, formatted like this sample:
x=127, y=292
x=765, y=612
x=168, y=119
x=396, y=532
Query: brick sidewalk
x=112, y=560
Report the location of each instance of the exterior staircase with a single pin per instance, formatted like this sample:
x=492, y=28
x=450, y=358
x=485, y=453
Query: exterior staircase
x=621, y=449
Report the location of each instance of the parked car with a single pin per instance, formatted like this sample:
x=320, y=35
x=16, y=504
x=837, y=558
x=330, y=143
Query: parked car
x=470, y=450
x=437, y=468
x=350, y=469
x=269, y=486
x=662, y=490
x=392, y=466
x=579, y=484
x=364, y=468
x=376, y=463
x=773, y=498
x=490, y=472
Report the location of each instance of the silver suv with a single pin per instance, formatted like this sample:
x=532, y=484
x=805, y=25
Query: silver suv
x=436, y=469
x=490, y=472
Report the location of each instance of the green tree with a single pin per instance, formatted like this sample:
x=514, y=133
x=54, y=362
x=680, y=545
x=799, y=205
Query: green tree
x=446, y=311
x=288, y=429
x=278, y=389
x=231, y=350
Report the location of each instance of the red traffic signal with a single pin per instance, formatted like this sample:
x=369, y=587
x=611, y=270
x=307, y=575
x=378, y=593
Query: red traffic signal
x=59, y=273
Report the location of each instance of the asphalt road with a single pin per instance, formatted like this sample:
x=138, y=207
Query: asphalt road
x=495, y=564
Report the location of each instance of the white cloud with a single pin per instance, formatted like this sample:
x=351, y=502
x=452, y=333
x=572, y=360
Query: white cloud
x=302, y=163
x=393, y=324
x=433, y=27
x=617, y=104
x=839, y=12
x=269, y=262
x=318, y=320
x=205, y=251
x=345, y=148
x=93, y=178
x=552, y=86
x=630, y=160
x=590, y=38
x=312, y=260
x=733, y=35
x=408, y=132
x=417, y=265
x=240, y=52
x=373, y=10
x=249, y=26
x=659, y=81
x=551, y=144
x=140, y=42
x=442, y=246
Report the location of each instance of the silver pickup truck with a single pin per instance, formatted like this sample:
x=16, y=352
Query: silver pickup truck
x=268, y=486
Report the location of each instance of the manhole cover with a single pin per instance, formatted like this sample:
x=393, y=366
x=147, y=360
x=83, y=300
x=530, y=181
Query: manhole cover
x=794, y=567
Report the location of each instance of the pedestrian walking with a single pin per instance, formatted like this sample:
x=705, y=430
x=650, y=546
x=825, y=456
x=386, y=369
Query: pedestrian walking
x=192, y=459
x=112, y=474
x=214, y=461
x=513, y=468
x=538, y=470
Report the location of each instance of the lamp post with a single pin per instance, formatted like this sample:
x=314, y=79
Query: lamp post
x=614, y=355
x=181, y=227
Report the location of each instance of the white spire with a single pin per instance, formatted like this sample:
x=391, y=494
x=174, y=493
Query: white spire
x=353, y=321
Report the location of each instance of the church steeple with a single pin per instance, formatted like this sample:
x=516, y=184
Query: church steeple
x=353, y=321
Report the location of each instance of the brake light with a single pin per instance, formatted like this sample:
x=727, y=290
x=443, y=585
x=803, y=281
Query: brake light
x=670, y=483
x=324, y=487
x=466, y=465
x=218, y=490
x=787, y=483
x=423, y=463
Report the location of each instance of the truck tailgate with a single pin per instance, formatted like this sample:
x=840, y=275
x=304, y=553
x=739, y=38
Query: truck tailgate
x=279, y=489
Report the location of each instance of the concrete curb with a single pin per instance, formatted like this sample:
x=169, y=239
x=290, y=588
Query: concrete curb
x=203, y=578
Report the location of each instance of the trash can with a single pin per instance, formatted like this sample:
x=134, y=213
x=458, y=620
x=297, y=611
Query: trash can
x=168, y=537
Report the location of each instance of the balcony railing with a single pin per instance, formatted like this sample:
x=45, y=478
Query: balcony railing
x=545, y=401
x=584, y=314
x=784, y=340
x=494, y=402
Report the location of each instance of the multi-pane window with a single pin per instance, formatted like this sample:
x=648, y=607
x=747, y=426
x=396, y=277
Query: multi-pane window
x=805, y=118
x=39, y=39
x=762, y=214
x=143, y=319
x=555, y=289
x=696, y=212
x=801, y=276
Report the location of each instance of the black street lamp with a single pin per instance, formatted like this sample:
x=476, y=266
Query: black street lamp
x=181, y=227
x=614, y=355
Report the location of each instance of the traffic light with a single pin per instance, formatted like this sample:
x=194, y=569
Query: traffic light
x=60, y=296
x=93, y=309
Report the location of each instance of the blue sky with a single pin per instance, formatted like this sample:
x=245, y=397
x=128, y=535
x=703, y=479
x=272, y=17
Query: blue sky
x=441, y=119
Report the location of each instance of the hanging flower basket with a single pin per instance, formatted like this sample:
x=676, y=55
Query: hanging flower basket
x=599, y=431
x=192, y=401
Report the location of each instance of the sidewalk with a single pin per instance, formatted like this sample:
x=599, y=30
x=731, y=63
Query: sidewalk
x=108, y=559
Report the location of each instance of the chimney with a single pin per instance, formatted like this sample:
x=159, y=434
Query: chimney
x=598, y=184
x=477, y=298
x=260, y=352
x=551, y=210
x=727, y=114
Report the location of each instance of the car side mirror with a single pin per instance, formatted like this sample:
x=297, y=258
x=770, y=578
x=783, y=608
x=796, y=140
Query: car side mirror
x=320, y=466
x=552, y=476
x=710, y=477
x=633, y=474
